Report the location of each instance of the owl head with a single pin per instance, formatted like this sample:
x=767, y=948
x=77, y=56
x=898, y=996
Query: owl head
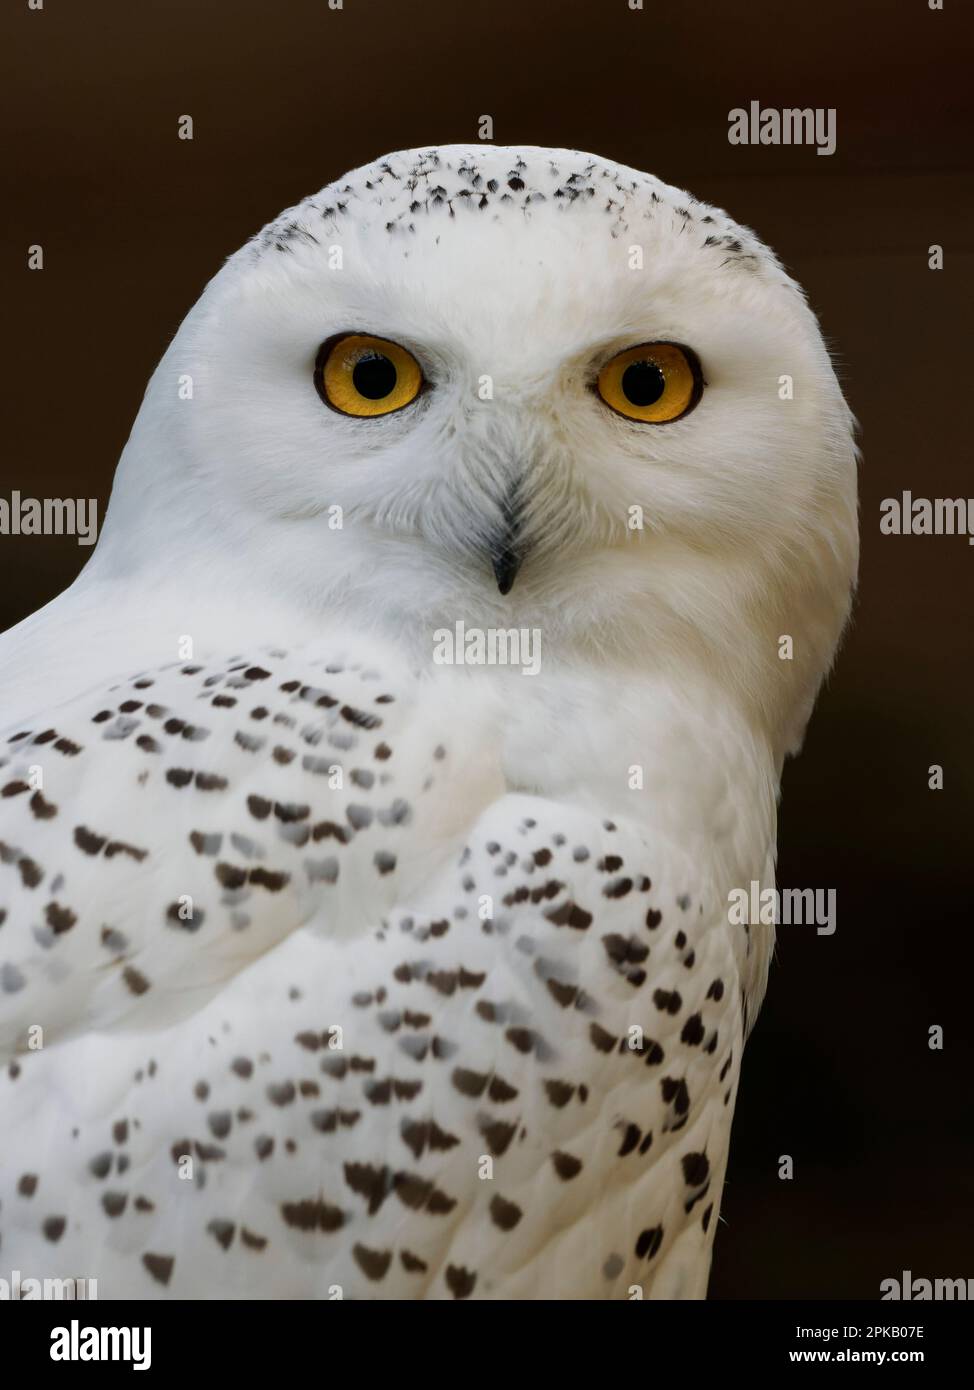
x=518, y=387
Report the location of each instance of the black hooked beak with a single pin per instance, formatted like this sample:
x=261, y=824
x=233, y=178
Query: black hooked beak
x=505, y=563
x=505, y=553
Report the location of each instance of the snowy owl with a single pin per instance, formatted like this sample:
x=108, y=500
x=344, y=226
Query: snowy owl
x=348, y=949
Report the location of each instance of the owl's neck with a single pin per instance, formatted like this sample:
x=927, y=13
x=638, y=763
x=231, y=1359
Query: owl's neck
x=680, y=761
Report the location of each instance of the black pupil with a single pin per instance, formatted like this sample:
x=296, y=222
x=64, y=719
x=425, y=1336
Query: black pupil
x=374, y=376
x=643, y=383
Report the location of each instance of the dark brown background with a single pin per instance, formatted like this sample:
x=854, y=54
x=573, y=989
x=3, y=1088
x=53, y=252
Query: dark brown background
x=287, y=95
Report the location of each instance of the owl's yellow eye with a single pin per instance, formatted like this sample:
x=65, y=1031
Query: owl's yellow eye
x=653, y=383
x=357, y=374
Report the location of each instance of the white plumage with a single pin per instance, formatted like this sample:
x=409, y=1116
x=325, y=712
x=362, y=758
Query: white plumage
x=208, y=864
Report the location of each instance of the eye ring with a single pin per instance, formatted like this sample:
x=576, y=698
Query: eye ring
x=651, y=383
x=364, y=377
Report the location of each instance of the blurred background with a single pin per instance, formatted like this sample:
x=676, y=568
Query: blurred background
x=286, y=95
